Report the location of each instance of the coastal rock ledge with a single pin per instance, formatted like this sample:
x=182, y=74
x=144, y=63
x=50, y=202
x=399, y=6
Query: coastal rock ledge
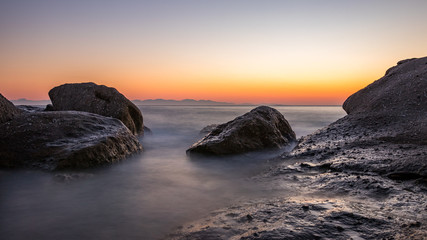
x=98, y=99
x=64, y=140
x=260, y=129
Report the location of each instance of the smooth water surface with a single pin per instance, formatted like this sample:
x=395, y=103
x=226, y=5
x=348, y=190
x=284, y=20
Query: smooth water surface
x=149, y=194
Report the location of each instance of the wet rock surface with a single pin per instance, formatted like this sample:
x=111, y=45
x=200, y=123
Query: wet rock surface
x=260, y=129
x=307, y=218
x=362, y=177
x=7, y=110
x=64, y=140
x=99, y=99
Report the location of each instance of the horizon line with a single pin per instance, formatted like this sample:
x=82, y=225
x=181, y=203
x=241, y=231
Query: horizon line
x=213, y=102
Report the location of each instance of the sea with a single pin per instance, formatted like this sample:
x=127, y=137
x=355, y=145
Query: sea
x=151, y=193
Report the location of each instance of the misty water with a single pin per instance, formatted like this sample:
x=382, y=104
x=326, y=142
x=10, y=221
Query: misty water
x=151, y=193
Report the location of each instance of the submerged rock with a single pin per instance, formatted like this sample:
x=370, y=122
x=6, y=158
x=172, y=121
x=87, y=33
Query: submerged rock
x=208, y=128
x=99, y=99
x=260, y=129
x=64, y=139
x=7, y=110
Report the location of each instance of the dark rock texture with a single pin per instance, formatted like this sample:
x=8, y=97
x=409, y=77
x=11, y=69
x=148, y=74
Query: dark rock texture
x=63, y=140
x=7, y=110
x=402, y=90
x=315, y=218
x=260, y=129
x=99, y=99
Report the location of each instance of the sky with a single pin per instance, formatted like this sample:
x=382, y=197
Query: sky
x=283, y=52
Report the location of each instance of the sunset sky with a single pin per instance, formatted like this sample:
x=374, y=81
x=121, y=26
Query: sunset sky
x=287, y=52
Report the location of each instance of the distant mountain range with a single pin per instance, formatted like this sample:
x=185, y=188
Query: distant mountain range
x=24, y=101
x=178, y=102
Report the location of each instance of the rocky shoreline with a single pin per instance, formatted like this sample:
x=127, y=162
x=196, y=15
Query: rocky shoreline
x=87, y=126
x=363, y=177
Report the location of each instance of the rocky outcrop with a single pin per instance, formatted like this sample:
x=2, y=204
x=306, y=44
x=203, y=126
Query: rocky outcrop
x=7, y=110
x=63, y=140
x=402, y=90
x=99, y=99
x=260, y=129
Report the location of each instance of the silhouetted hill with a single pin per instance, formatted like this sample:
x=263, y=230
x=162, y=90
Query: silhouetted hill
x=178, y=102
x=24, y=101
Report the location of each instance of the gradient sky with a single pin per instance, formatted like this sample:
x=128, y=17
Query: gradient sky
x=288, y=52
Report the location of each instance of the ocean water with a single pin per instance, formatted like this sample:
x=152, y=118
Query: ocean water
x=151, y=193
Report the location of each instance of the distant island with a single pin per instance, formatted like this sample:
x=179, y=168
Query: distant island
x=179, y=102
x=167, y=102
x=24, y=101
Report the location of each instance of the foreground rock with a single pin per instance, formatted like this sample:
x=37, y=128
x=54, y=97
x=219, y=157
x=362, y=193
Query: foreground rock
x=7, y=110
x=362, y=177
x=260, y=129
x=63, y=140
x=99, y=99
x=311, y=218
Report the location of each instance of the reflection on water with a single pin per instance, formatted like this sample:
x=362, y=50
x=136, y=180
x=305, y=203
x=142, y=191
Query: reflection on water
x=150, y=193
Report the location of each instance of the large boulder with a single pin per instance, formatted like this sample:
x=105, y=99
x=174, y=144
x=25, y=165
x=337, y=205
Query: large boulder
x=396, y=103
x=63, y=140
x=7, y=110
x=260, y=129
x=403, y=89
x=99, y=99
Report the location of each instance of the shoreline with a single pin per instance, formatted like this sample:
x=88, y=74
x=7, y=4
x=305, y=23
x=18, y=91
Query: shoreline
x=347, y=191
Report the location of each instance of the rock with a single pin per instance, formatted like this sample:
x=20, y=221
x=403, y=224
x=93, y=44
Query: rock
x=396, y=103
x=147, y=131
x=208, y=128
x=7, y=110
x=99, y=99
x=49, y=107
x=402, y=89
x=260, y=129
x=64, y=140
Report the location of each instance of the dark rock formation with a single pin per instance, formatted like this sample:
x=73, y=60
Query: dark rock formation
x=63, y=140
x=7, y=110
x=260, y=129
x=403, y=89
x=99, y=99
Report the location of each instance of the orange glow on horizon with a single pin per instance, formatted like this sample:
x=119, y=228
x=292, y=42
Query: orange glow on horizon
x=240, y=90
x=283, y=52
